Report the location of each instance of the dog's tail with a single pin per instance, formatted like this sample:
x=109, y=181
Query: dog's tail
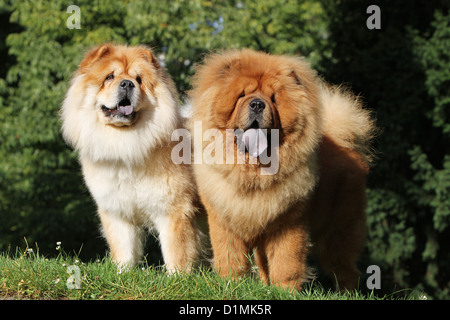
x=346, y=122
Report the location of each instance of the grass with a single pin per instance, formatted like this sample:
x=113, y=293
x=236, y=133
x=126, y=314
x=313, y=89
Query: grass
x=27, y=275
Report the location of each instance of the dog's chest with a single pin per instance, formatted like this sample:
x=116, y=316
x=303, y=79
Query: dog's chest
x=129, y=192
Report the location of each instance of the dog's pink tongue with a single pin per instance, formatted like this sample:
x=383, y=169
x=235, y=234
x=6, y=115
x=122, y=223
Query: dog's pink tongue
x=256, y=141
x=126, y=110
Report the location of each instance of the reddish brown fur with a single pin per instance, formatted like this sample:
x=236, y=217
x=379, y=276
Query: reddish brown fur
x=318, y=195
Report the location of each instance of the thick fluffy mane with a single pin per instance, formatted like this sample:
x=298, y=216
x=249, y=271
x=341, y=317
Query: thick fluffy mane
x=221, y=70
x=130, y=145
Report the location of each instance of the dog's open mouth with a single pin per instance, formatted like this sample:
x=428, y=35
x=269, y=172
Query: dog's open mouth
x=123, y=109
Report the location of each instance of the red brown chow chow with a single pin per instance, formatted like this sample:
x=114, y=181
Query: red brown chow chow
x=313, y=199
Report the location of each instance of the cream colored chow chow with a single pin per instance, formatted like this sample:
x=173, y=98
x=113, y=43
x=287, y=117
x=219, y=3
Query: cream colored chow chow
x=119, y=114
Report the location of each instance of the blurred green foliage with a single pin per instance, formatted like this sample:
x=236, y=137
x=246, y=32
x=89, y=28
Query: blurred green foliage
x=402, y=73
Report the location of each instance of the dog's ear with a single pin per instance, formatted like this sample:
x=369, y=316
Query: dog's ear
x=150, y=57
x=96, y=54
x=232, y=64
x=296, y=78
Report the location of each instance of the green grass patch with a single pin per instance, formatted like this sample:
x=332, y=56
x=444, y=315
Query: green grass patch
x=27, y=275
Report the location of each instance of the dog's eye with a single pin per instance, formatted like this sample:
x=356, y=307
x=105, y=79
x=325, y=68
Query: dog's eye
x=110, y=76
x=138, y=79
x=272, y=98
x=242, y=94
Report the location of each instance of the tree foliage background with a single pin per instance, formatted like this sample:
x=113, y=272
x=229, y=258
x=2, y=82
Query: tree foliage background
x=401, y=71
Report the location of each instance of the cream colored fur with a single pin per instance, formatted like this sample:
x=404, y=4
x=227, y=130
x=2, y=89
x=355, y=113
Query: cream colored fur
x=128, y=169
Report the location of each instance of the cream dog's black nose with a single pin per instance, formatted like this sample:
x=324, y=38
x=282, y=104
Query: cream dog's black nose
x=125, y=84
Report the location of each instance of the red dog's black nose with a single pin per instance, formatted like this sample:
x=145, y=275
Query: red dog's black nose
x=257, y=105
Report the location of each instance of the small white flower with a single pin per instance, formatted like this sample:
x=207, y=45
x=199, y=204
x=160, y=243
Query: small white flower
x=58, y=243
x=30, y=250
x=77, y=261
x=57, y=280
